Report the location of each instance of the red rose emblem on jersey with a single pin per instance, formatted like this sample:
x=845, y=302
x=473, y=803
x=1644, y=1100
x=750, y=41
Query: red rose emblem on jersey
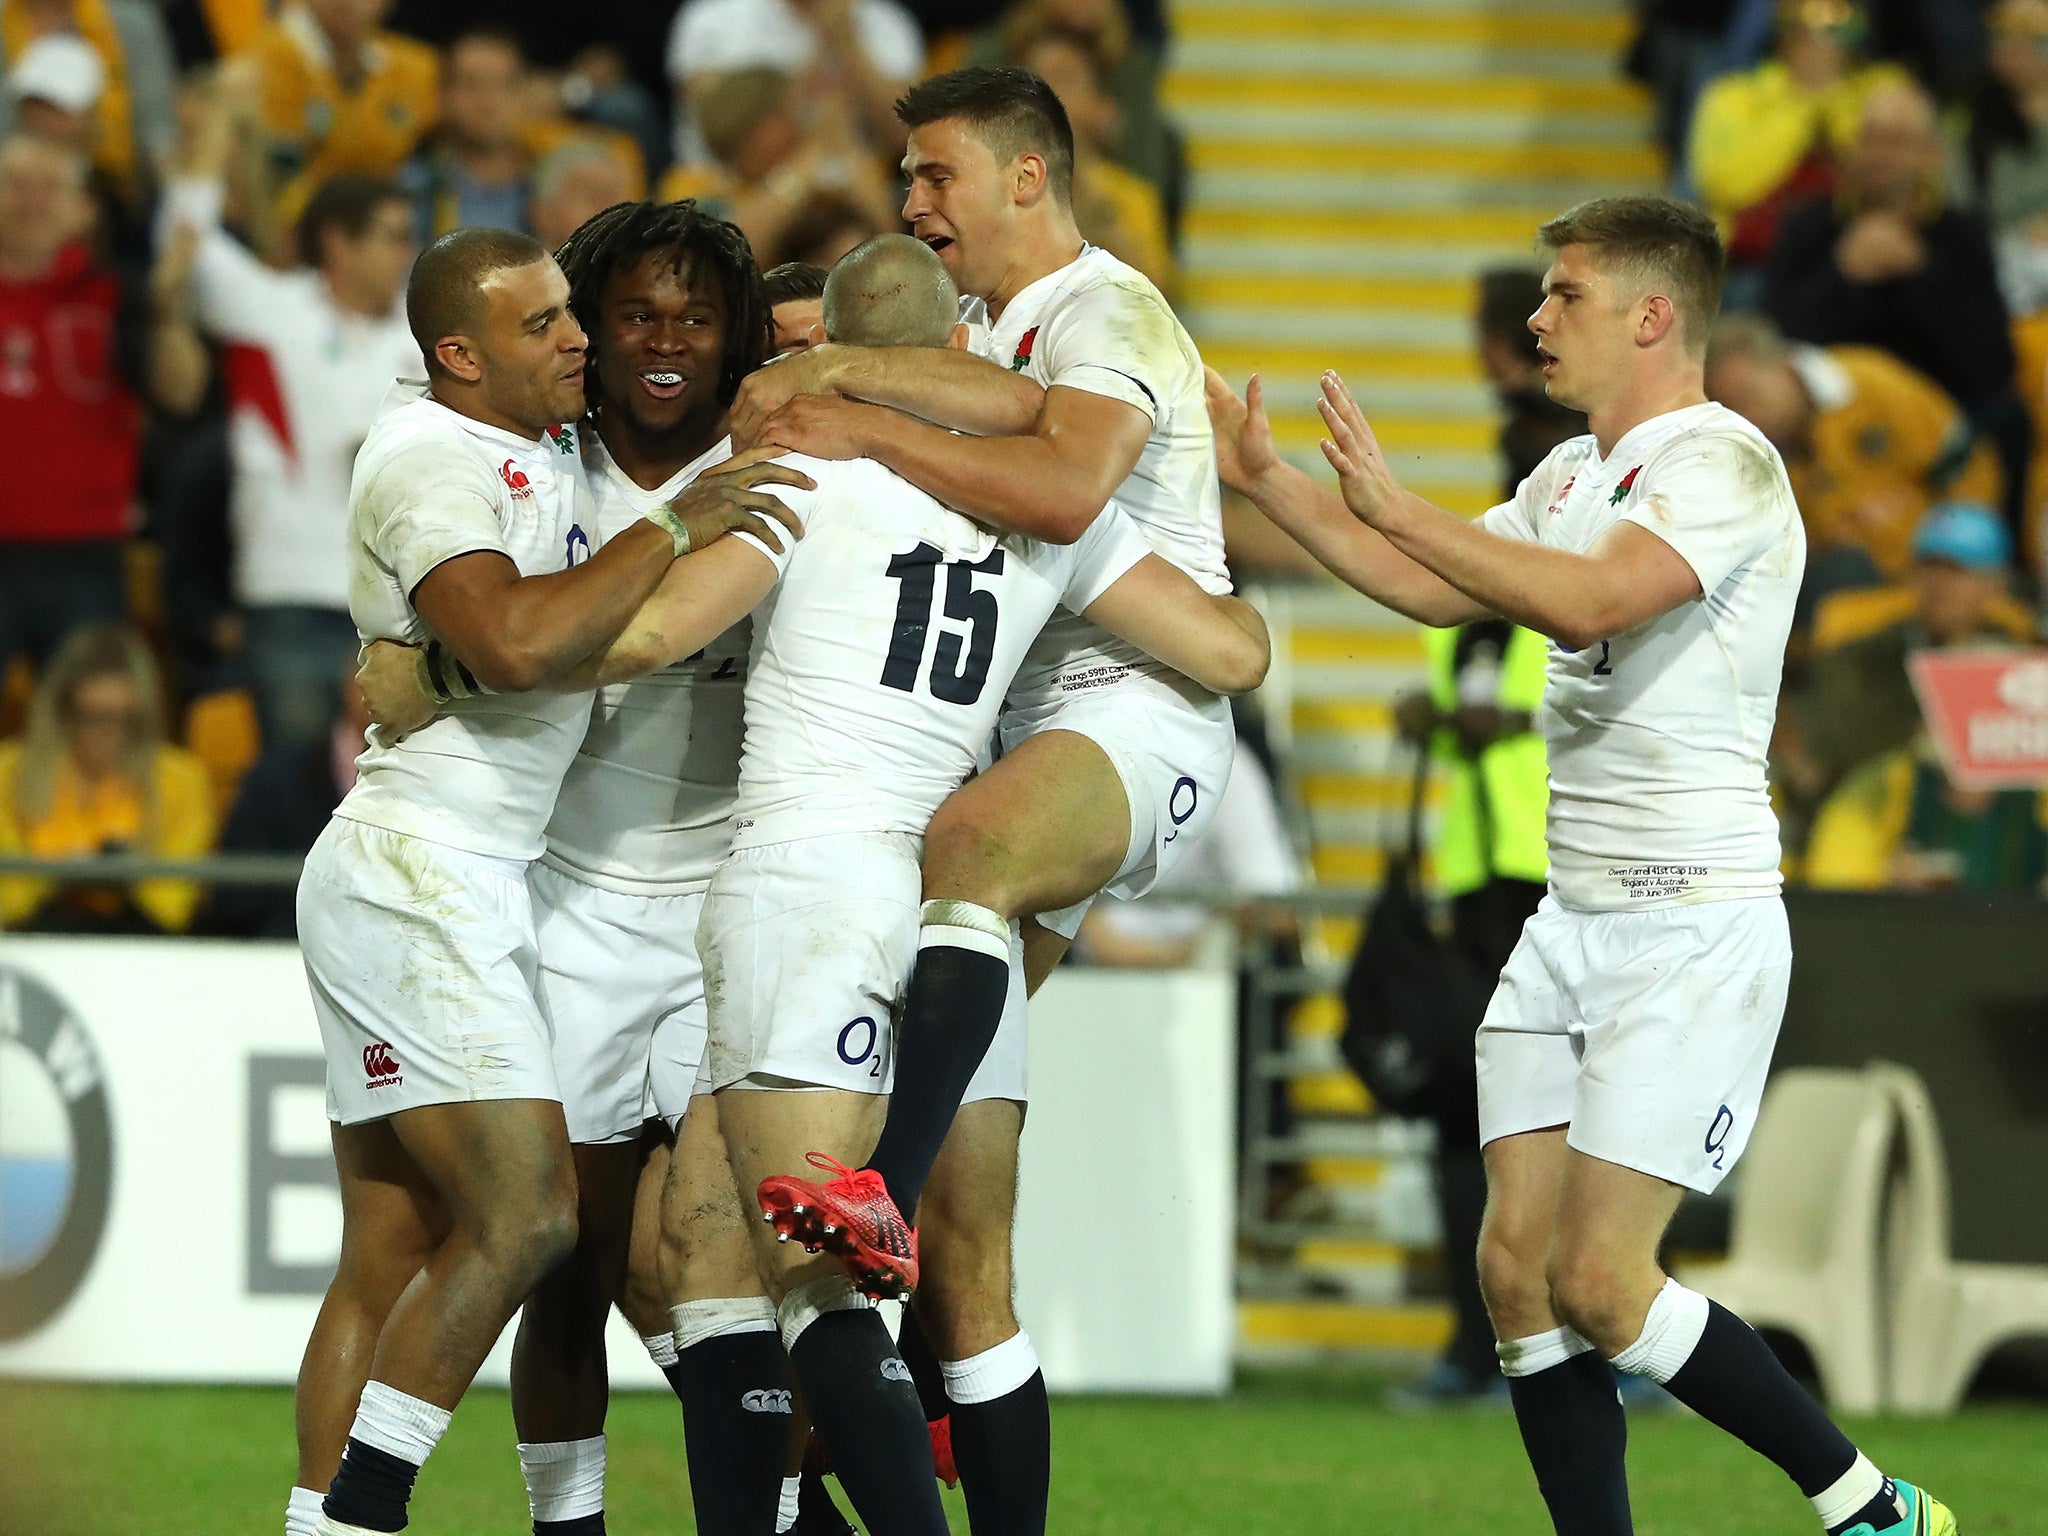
x=1024, y=346
x=1628, y=483
x=515, y=480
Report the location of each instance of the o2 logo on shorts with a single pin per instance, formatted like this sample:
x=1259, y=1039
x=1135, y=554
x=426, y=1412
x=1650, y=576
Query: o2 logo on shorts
x=1176, y=810
x=859, y=1042
x=579, y=544
x=1717, y=1135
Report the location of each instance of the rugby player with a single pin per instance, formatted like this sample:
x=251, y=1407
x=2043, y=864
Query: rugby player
x=1624, y=1053
x=874, y=684
x=796, y=300
x=1111, y=763
x=457, y=1186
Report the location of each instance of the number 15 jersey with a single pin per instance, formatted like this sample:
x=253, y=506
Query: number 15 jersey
x=882, y=655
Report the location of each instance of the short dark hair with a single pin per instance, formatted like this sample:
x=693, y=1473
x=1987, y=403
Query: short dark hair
x=443, y=297
x=1667, y=243
x=794, y=280
x=1508, y=296
x=346, y=203
x=696, y=244
x=1012, y=111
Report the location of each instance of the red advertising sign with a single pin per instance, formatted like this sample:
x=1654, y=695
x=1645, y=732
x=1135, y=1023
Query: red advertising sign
x=1988, y=713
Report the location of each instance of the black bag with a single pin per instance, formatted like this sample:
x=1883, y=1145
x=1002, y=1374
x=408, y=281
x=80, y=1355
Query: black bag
x=1412, y=1002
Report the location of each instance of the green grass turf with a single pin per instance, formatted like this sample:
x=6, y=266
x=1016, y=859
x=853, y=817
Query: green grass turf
x=1290, y=1454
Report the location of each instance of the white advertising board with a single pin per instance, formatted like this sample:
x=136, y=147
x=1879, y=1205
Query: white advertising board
x=168, y=1210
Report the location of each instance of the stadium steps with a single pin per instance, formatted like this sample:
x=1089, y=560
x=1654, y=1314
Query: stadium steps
x=1354, y=163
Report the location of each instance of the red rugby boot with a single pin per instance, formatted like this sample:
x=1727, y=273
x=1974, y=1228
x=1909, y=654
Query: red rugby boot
x=851, y=1216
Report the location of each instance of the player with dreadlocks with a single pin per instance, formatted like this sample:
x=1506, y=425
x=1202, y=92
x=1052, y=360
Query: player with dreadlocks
x=676, y=314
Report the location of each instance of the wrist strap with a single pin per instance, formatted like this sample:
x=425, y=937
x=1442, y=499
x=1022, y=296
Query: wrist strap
x=664, y=517
x=443, y=677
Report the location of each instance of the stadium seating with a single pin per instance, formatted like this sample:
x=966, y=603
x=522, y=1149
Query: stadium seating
x=1804, y=1250
x=1946, y=1314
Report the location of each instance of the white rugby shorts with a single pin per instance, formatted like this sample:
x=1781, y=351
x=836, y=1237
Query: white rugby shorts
x=807, y=947
x=1171, y=750
x=424, y=972
x=1005, y=1072
x=623, y=989
x=1648, y=1033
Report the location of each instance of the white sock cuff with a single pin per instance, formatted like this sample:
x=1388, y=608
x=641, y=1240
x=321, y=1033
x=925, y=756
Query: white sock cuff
x=302, y=1512
x=964, y=925
x=1848, y=1493
x=398, y=1425
x=564, y=1478
x=1671, y=1332
x=993, y=1373
x=807, y=1303
x=792, y=1498
x=697, y=1322
x=1539, y=1352
x=661, y=1348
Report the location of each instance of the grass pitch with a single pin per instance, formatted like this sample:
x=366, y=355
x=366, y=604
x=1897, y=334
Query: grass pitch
x=1287, y=1453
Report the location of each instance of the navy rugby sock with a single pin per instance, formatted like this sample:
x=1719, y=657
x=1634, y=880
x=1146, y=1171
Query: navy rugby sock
x=1569, y=1412
x=950, y=1016
x=860, y=1396
x=737, y=1412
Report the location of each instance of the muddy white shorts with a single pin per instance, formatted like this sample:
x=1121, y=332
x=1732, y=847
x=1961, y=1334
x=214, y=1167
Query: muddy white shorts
x=1648, y=1033
x=807, y=948
x=625, y=994
x=424, y=972
x=1172, y=749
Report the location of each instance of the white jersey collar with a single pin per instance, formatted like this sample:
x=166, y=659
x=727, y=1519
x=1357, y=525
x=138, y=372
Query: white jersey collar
x=1039, y=290
x=1636, y=437
x=716, y=454
x=414, y=392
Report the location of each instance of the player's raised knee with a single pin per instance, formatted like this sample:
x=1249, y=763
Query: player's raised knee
x=1512, y=1280
x=967, y=854
x=1596, y=1299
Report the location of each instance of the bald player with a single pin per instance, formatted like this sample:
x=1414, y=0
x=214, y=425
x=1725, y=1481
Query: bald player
x=467, y=518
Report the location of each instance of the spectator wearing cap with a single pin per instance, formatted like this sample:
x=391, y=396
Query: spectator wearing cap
x=307, y=357
x=339, y=94
x=1766, y=137
x=1859, y=702
x=855, y=58
x=72, y=364
x=108, y=63
x=1890, y=263
x=1895, y=820
x=94, y=775
x=1870, y=444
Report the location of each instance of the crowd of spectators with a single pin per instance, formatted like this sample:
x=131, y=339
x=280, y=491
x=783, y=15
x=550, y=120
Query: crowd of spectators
x=1877, y=169
x=208, y=209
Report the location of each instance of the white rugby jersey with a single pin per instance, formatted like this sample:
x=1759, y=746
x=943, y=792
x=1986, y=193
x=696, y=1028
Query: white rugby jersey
x=1099, y=325
x=646, y=807
x=431, y=484
x=881, y=657
x=1658, y=737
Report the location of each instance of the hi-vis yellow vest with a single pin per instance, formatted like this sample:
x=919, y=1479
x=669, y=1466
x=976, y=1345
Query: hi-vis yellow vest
x=1500, y=831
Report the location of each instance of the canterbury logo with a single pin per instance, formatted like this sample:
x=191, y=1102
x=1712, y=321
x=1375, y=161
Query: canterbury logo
x=895, y=1370
x=515, y=481
x=379, y=1065
x=767, y=1400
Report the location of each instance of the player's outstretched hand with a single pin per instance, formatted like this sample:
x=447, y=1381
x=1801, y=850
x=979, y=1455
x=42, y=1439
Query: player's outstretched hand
x=1369, y=487
x=1245, y=450
x=725, y=501
x=768, y=389
x=389, y=677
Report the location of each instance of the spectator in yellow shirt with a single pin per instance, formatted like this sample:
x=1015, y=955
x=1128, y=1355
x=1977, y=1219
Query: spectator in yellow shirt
x=1771, y=135
x=94, y=775
x=1870, y=443
x=339, y=93
x=1115, y=208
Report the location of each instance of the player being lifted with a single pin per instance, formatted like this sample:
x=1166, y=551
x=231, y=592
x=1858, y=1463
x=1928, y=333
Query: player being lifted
x=1624, y=1054
x=1112, y=764
x=457, y=1188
